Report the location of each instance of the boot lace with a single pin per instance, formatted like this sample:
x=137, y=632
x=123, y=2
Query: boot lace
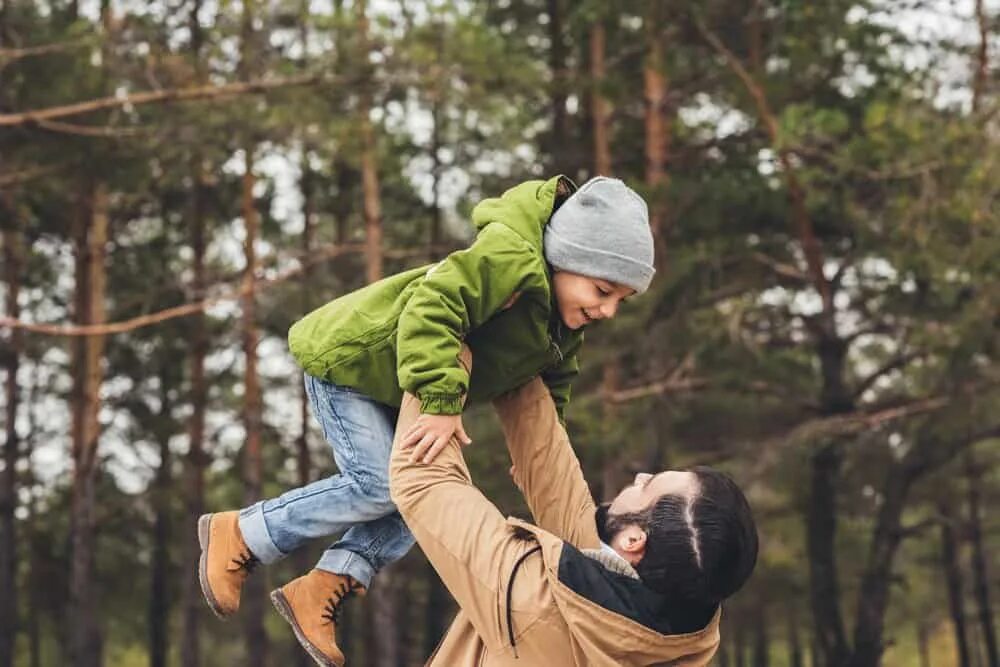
x=348, y=588
x=247, y=561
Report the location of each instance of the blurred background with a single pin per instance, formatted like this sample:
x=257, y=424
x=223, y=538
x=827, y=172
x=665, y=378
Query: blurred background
x=182, y=180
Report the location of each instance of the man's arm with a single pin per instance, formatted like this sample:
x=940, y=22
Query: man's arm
x=545, y=467
x=464, y=536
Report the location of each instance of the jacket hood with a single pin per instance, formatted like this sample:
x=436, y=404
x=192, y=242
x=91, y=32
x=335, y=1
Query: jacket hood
x=525, y=208
x=617, y=639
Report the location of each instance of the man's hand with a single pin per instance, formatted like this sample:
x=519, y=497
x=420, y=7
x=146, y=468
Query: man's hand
x=431, y=433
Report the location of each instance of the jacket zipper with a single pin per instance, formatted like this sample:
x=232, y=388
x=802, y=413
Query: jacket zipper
x=553, y=345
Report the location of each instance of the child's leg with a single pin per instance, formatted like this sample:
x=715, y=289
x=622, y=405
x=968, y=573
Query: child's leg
x=360, y=432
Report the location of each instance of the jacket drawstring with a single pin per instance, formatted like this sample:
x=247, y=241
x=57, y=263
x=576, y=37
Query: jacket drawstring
x=510, y=590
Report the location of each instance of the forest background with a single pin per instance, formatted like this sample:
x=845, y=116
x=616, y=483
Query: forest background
x=182, y=180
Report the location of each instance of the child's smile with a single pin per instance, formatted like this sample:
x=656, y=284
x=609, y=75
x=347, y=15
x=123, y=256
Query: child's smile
x=582, y=299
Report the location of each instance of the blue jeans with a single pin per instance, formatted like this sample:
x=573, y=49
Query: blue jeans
x=360, y=432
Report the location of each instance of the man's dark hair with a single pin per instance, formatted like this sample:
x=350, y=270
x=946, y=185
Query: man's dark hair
x=700, y=550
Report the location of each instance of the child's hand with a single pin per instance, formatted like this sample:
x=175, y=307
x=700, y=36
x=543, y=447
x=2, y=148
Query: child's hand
x=431, y=433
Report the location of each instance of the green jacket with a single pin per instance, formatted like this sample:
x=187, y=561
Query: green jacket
x=405, y=332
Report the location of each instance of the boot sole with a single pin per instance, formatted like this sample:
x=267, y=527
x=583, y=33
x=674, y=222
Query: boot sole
x=280, y=603
x=204, y=525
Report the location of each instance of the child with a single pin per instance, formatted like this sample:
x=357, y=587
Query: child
x=546, y=262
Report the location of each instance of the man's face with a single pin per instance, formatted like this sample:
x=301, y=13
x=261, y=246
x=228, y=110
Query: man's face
x=646, y=489
x=582, y=299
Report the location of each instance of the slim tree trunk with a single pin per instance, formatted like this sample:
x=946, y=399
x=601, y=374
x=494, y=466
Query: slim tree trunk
x=195, y=461
x=873, y=594
x=741, y=644
x=438, y=119
x=980, y=576
x=923, y=644
x=761, y=649
x=559, y=145
x=821, y=531
x=382, y=601
x=369, y=156
x=159, y=602
x=657, y=129
x=795, y=657
x=253, y=596
x=600, y=112
x=85, y=641
x=435, y=621
x=13, y=253
x=303, y=461
x=252, y=603
x=980, y=77
x=953, y=582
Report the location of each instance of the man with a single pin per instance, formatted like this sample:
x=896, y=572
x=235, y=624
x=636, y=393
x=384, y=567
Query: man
x=636, y=582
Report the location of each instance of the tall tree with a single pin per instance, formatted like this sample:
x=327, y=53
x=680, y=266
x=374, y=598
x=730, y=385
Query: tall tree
x=657, y=125
x=13, y=260
x=195, y=460
x=253, y=596
x=978, y=558
x=88, y=351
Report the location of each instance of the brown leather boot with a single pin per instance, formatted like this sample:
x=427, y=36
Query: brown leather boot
x=311, y=604
x=225, y=562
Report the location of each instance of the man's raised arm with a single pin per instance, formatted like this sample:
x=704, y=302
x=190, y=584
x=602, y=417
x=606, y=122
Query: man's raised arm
x=545, y=467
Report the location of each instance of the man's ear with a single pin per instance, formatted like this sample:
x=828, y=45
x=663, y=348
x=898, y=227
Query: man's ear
x=630, y=544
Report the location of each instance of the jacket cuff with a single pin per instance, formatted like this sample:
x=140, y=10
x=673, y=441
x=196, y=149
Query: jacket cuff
x=441, y=404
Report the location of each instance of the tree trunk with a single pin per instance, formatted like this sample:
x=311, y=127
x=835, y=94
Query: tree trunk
x=923, y=644
x=821, y=514
x=722, y=656
x=795, y=656
x=195, y=462
x=13, y=253
x=953, y=582
x=385, y=617
x=600, y=113
x=821, y=531
x=91, y=238
x=741, y=644
x=369, y=156
x=980, y=576
x=253, y=595
x=303, y=462
x=980, y=77
x=252, y=603
x=657, y=130
x=761, y=649
x=559, y=144
x=435, y=619
x=159, y=602
x=873, y=593
x=438, y=118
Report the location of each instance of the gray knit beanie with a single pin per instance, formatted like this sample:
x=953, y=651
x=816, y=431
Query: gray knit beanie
x=602, y=231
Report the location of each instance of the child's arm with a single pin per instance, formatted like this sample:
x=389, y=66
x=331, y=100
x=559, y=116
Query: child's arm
x=559, y=379
x=458, y=294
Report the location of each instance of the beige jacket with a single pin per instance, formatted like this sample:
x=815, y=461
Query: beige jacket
x=505, y=573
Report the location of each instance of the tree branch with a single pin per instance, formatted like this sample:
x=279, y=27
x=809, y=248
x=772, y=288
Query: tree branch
x=107, y=131
x=13, y=179
x=8, y=56
x=149, y=97
x=895, y=363
x=796, y=194
x=233, y=294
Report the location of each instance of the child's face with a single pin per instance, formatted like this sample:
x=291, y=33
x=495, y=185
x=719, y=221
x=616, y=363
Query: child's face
x=582, y=299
